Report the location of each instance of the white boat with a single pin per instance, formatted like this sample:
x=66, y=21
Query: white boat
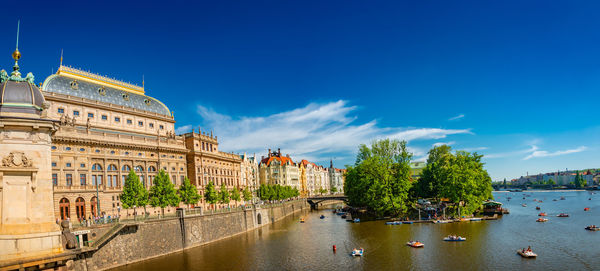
x=358, y=252
x=415, y=244
x=441, y=221
x=476, y=219
x=526, y=254
x=455, y=238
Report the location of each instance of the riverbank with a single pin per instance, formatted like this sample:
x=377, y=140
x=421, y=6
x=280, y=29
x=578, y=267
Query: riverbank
x=126, y=243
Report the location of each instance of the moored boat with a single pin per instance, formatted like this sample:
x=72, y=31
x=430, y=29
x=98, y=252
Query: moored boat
x=393, y=223
x=476, y=219
x=322, y=217
x=356, y=220
x=301, y=220
x=407, y=222
x=344, y=216
x=415, y=244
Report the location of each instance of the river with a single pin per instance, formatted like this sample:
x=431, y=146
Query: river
x=561, y=243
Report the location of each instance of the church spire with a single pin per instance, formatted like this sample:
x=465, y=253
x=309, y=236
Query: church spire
x=16, y=55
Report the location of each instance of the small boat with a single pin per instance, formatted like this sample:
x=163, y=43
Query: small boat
x=562, y=198
x=554, y=200
x=301, y=220
x=340, y=213
x=476, y=219
x=540, y=201
x=541, y=219
x=455, y=238
x=407, y=222
x=542, y=214
x=441, y=221
x=523, y=197
x=590, y=199
x=524, y=205
x=356, y=220
x=526, y=253
x=393, y=223
x=537, y=207
x=344, y=216
x=415, y=244
x=358, y=252
x=322, y=217
x=592, y=228
x=563, y=215
x=586, y=209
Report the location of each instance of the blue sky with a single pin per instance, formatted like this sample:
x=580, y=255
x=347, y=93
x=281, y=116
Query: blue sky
x=517, y=82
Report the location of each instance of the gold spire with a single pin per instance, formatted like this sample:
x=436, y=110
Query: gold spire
x=16, y=55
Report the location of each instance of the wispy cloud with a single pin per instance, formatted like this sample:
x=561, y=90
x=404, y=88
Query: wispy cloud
x=457, y=117
x=317, y=131
x=449, y=143
x=183, y=129
x=537, y=153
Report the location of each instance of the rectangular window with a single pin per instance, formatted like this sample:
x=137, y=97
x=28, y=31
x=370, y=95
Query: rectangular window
x=129, y=121
x=53, y=164
x=161, y=127
x=140, y=123
x=151, y=125
x=91, y=115
x=82, y=165
x=75, y=113
x=104, y=117
x=123, y=178
x=54, y=179
x=182, y=179
x=61, y=111
x=69, y=179
x=117, y=119
x=68, y=164
x=82, y=180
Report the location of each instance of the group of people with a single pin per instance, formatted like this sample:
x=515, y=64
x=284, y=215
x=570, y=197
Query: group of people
x=528, y=250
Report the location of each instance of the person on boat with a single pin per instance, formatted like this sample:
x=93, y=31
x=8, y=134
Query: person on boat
x=529, y=249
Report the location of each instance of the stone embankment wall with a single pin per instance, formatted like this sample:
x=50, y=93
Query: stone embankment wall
x=140, y=241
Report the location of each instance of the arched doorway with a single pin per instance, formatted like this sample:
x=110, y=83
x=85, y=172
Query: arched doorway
x=259, y=219
x=80, y=208
x=93, y=205
x=64, y=208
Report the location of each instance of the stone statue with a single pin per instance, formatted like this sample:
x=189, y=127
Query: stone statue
x=29, y=78
x=63, y=120
x=68, y=238
x=73, y=121
x=16, y=159
x=45, y=107
x=88, y=124
x=3, y=76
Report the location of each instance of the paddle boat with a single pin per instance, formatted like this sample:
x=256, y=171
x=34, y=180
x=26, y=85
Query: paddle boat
x=526, y=253
x=537, y=207
x=301, y=220
x=542, y=214
x=407, y=222
x=358, y=252
x=454, y=238
x=393, y=223
x=476, y=219
x=563, y=215
x=344, y=216
x=524, y=205
x=592, y=228
x=586, y=209
x=356, y=220
x=441, y=221
x=562, y=198
x=340, y=213
x=541, y=219
x=415, y=244
x=322, y=217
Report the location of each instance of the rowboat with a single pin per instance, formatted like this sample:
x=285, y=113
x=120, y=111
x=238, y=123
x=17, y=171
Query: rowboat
x=455, y=239
x=415, y=244
x=526, y=253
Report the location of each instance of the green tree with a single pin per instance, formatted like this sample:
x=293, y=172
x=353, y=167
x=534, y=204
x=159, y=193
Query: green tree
x=579, y=181
x=223, y=195
x=428, y=186
x=163, y=193
x=210, y=194
x=333, y=190
x=551, y=182
x=381, y=178
x=235, y=195
x=247, y=194
x=188, y=192
x=134, y=194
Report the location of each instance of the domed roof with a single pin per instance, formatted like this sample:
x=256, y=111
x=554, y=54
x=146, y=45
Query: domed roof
x=19, y=95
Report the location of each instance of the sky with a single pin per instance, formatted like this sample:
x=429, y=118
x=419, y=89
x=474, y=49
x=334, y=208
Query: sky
x=516, y=81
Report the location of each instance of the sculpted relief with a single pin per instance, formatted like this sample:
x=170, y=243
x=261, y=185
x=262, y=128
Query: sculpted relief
x=16, y=159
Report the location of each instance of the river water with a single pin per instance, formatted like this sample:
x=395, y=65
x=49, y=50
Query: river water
x=561, y=243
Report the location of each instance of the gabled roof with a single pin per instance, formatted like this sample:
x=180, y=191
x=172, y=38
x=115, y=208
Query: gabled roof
x=283, y=160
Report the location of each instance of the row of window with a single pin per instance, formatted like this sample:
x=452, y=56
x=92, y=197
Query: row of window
x=117, y=119
x=114, y=152
x=112, y=180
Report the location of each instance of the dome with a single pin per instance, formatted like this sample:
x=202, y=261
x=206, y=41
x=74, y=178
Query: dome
x=20, y=97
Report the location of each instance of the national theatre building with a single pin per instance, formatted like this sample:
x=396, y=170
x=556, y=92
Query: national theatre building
x=108, y=127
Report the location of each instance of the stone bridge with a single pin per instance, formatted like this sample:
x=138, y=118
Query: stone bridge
x=314, y=201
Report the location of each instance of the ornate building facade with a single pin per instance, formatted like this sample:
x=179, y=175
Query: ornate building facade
x=107, y=128
x=277, y=169
x=249, y=172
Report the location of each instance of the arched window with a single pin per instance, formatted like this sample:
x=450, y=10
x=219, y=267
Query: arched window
x=126, y=168
x=64, y=208
x=151, y=169
x=139, y=168
x=80, y=208
x=94, y=205
x=112, y=167
x=97, y=167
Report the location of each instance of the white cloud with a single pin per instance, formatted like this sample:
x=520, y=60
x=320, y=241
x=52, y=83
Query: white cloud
x=536, y=153
x=437, y=144
x=457, y=117
x=531, y=149
x=317, y=131
x=183, y=129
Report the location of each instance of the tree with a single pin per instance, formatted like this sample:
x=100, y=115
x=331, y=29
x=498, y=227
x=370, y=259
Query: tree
x=235, y=195
x=210, y=194
x=163, y=193
x=579, y=181
x=134, y=194
x=428, y=186
x=381, y=178
x=223, y=195
x=247, y=194
x=333, y=190
x=188, y=192
x=551, y=182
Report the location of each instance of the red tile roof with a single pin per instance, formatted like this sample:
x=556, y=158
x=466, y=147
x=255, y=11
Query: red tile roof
x=267, y=161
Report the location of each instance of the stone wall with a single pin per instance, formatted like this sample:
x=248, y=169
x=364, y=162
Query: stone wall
x=141, y=241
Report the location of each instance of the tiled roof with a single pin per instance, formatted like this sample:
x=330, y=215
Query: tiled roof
x=283, y=160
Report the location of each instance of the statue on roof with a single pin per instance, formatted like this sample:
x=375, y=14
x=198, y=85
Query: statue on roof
x=3, y=76
x=29, y=78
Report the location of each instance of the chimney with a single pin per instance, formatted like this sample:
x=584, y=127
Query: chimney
x=269, y=153
x=279, y=152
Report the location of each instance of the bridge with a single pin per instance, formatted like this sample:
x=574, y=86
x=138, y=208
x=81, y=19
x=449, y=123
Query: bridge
x=314, y=201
